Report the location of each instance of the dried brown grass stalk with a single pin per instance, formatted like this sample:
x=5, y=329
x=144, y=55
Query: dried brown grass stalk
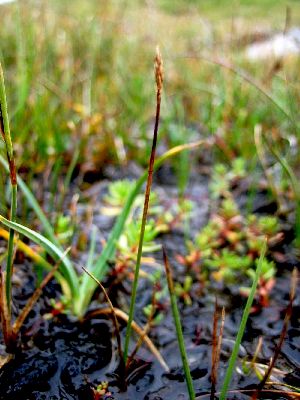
x=146, y=329
x=213, y=375
x=216, y=347
x=278, y=347
x=4, y=313
x=115, y=319
x=256, y=353
x=31, y=302
x=220, y=338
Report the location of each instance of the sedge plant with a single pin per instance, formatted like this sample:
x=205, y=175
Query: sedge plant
x=159, y=82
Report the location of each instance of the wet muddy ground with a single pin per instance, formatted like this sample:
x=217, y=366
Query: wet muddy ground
x=61, y=358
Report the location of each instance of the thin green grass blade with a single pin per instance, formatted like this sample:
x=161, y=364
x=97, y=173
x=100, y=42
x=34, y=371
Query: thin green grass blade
x=68, y=177
x=5, y=133
x=242, y=326
x=66, y=266
x=180, y=338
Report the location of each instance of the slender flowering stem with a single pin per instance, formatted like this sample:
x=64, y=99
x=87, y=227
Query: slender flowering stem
x=159, y=82
x=5, y=133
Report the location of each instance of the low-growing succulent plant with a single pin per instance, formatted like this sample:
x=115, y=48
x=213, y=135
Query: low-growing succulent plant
x=118, y=192
x=228, y=247
x=227, y=265
x=183, y=291
x=129, y=240
x=64, y=228
x=223, y=177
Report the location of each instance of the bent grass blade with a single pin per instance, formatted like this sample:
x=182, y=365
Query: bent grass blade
x=242, y=326
x=66, y=266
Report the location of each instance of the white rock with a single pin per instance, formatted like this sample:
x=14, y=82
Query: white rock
x=280, y=45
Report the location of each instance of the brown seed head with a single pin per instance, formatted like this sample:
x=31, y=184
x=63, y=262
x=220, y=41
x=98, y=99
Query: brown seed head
x=159, y=71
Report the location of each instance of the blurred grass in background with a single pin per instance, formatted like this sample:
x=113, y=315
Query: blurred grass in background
x=79, y=78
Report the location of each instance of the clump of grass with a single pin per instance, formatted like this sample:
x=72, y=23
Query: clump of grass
x=159, y=86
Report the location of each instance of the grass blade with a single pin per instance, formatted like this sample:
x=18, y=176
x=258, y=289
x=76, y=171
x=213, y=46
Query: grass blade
x=179, y=333
x=5, y=132
x=66, y=266
x=242, y=326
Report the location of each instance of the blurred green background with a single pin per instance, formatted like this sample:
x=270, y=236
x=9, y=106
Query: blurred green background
x=79, y=77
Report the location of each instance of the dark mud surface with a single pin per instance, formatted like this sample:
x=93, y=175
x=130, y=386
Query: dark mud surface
x=64, y=359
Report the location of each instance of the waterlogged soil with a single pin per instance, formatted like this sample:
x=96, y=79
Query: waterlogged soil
x=61, y=358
